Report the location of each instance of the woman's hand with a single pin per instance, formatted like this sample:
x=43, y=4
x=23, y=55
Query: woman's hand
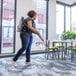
x=40, y=36
x=41, y=39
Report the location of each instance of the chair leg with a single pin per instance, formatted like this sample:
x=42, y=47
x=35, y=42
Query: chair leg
x=57, y=53
x=46, y=55
x=72, y=55
x=53, y=53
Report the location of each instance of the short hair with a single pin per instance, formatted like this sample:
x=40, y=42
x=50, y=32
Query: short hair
x=31, y=13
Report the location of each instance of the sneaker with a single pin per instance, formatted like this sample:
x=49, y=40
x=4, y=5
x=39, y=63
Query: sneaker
x=29, y=63
x=13, y=63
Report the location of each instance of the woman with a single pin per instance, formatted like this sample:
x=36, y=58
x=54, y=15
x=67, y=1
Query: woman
x=26, y=37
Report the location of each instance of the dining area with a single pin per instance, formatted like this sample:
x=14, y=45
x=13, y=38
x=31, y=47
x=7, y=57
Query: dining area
x=61, y=49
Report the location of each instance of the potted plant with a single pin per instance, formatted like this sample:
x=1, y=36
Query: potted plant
x=68, y=35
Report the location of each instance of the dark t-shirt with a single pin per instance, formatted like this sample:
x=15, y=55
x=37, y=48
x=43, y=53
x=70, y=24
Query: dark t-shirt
x=25, y=28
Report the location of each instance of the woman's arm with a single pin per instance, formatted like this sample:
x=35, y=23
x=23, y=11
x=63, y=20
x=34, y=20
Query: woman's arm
x=29, y=23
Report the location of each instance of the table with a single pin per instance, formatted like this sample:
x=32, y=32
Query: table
x=64, y=50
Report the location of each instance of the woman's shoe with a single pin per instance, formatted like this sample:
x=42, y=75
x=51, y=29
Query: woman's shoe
x=13, y=63
x=29, y=63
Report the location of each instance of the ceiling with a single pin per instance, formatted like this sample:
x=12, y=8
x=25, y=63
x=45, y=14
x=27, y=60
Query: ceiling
x=69, y=2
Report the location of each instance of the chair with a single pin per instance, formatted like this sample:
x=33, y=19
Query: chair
x=73, y=51
x=51, y=50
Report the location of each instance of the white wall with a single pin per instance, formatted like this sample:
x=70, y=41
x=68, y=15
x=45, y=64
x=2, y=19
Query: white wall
x=23, y=6
x=52, y=20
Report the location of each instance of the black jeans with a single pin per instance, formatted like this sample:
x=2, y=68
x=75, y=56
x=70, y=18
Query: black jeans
x=26, y=40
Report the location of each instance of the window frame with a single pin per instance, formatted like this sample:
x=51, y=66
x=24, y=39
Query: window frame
x=14, y=35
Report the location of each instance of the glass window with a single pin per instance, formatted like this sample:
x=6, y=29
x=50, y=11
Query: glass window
x=8, y=26
x=0, y=26
x=40, y=7
x=73, y=16
x=59, y=19
x=0, y=12
x=67, y=18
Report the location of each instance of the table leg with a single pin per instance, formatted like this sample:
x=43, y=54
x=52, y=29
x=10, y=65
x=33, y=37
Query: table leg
x=62, y=51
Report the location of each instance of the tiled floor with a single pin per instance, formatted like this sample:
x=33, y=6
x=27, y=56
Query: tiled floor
x=40, y=67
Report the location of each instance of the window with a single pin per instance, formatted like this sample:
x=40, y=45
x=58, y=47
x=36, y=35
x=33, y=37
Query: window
x=67, y=18
x=73, y=16
x=7, y=44
x=0, y=12
x=59, y=20
x=40, y=7
x=0, y=26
